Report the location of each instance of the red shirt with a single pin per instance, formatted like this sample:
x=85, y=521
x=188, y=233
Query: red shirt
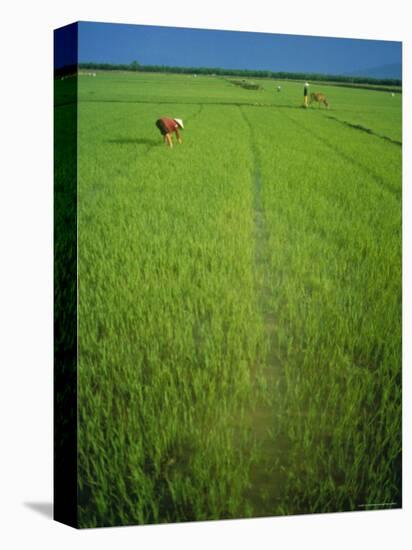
x=169, y=124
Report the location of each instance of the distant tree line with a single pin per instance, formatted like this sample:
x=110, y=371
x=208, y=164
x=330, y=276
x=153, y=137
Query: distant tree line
x=244, y=73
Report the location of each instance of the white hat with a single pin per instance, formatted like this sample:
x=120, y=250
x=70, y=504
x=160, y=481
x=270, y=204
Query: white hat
x=179, y=121
x=306, y=83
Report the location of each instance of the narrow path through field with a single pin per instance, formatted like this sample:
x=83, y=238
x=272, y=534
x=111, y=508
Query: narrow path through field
x=361, y=128
x=183, y=102
x=267, y=481
x=261, y=236
x=367, y=170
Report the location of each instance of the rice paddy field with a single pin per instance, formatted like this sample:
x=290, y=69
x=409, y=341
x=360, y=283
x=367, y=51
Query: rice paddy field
x=239, y=300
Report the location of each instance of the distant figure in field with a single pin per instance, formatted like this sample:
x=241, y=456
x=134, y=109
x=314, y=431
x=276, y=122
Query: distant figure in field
x=278, y=88
x=167, y=127
x=305, y=94
x=320, y=98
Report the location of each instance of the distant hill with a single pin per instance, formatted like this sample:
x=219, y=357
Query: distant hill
x=383, y=71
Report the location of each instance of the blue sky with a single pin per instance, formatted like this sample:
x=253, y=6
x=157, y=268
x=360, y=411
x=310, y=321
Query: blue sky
x=118, y=43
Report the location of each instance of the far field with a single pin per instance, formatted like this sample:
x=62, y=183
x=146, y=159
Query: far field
x=239, y=300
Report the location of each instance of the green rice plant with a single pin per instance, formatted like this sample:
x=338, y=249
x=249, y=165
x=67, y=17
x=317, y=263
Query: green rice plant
x=239, y=301
x=333, y=214
x=169, y=332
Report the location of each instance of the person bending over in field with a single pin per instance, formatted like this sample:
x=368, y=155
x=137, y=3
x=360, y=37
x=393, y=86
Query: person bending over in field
x=167, y=127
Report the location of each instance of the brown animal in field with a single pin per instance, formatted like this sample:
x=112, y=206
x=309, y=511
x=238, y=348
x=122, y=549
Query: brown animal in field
x=320, y=98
